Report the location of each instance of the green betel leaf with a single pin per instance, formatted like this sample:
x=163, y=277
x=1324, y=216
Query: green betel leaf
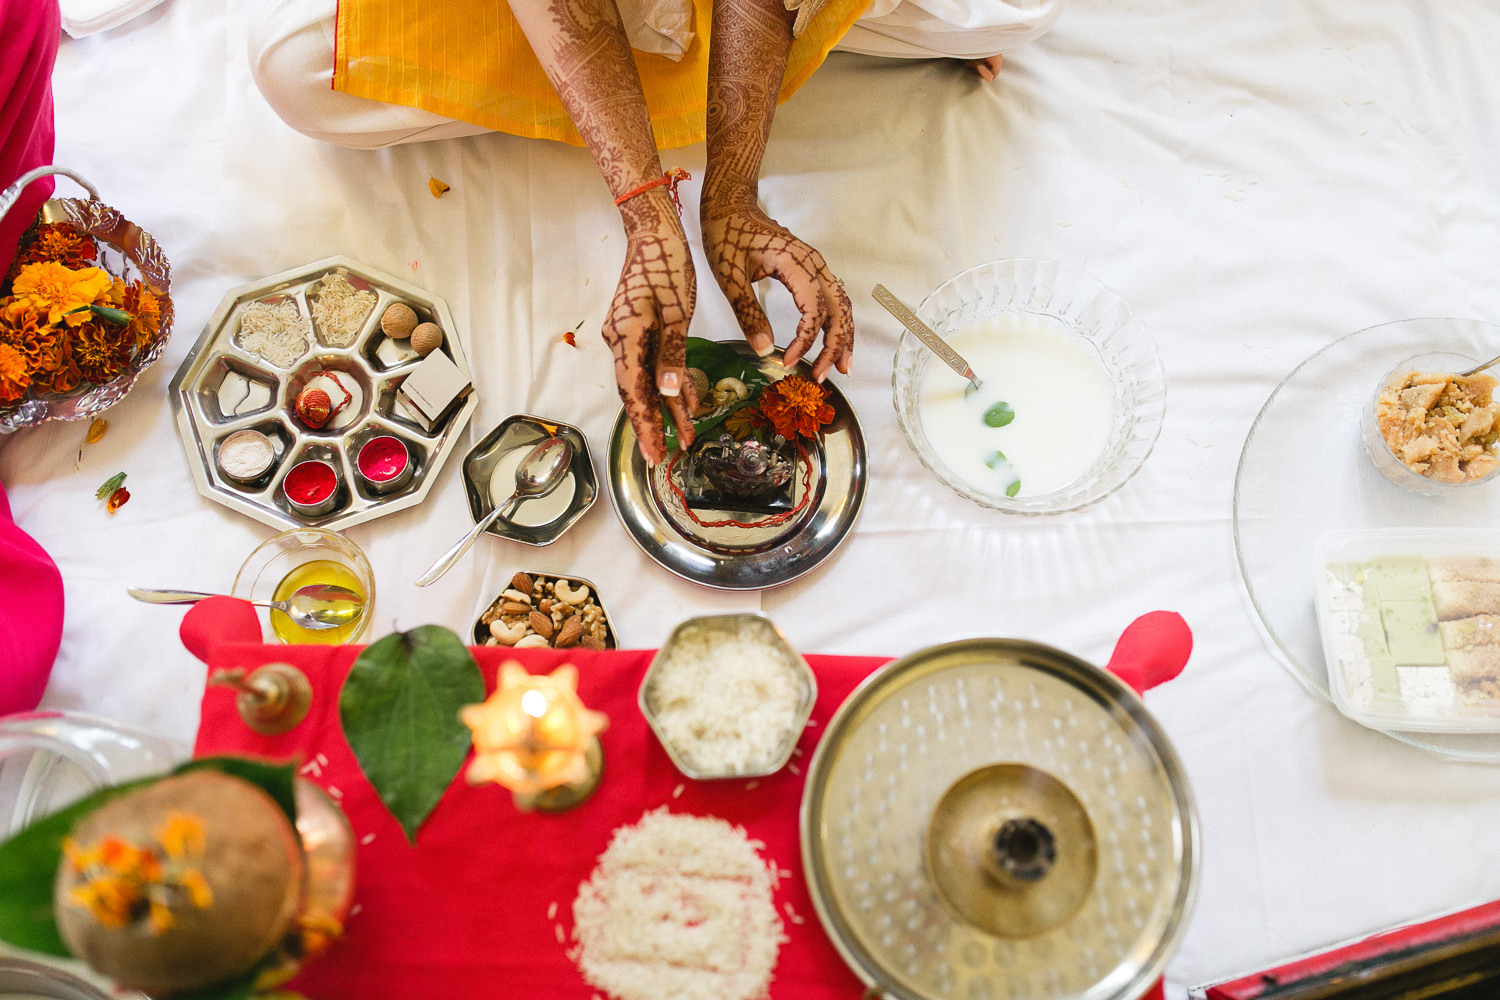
x=399, y=707
x=28, y=868
x=717, y=361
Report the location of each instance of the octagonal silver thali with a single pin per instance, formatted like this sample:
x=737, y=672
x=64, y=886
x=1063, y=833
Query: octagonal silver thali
x=221, y=387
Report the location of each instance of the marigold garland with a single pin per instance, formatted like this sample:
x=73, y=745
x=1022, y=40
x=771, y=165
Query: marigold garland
x=57, y=333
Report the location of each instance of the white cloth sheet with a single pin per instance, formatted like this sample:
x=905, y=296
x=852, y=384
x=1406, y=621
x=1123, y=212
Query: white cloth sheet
x=1257, y=180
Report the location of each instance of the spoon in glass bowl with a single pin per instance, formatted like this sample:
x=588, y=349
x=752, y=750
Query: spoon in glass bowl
x=316, y=606
x=1492, y=362
x=540, y=472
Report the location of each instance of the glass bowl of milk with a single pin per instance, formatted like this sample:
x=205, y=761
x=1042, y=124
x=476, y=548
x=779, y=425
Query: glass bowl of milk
x=1071, y=392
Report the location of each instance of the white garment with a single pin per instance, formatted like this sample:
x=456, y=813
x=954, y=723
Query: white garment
x=291, y=45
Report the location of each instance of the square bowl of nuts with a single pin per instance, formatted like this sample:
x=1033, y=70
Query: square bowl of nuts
x=540, y=610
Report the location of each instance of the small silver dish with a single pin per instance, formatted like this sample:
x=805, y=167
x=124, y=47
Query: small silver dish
x=250, y=437
x=306, y=475
x=590, y=605
x=686, y=642
x=489, y=479
x=376, y=464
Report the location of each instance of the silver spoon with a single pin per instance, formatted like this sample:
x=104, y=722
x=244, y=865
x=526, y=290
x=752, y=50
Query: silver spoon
x=1492, y=362
x=925, y=334
x=316, y=606
x=540, y=472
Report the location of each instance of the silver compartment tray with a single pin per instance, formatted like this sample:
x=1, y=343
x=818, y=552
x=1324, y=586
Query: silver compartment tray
x=221, y=388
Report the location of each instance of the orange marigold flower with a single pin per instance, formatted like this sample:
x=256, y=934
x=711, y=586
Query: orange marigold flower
x=145, y=313
x=161, y=919
x=103, y=350
x=61, y=243
x=181, y=836
x=15, y=375
x=109, y=899
x=60, y=290
x=200, y=893
x=796, y=407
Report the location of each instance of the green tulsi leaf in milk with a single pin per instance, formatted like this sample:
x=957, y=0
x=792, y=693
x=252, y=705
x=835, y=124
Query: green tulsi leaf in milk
x=1013, y=488
x=399, y=707
x=999, y=415
x=996, y=460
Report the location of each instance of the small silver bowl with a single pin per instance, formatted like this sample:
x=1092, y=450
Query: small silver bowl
x=759, y=735
x=368, y=466
x=318, y=504
x=487, y=482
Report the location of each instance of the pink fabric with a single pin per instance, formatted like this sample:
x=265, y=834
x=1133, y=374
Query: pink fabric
x=31, y=615
x=29, y=31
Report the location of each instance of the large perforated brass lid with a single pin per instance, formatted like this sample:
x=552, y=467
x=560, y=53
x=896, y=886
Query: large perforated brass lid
x=935, y=798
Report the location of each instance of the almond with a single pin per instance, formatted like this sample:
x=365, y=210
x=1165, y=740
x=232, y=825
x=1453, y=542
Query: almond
x=540, y=624
x=544, y=605
x=515, y=608
x=521, y=582
x=570, y=633
x=591, y=642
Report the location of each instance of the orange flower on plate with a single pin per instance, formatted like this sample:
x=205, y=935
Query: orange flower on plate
x=60, y=290
x=15, y=375
x=796, y=407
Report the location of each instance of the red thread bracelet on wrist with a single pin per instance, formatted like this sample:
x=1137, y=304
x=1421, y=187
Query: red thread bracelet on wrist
x=671, y=179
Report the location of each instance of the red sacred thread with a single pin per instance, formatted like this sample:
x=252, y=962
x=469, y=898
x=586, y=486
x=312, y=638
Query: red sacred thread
x=768, y=522
x=671, y=178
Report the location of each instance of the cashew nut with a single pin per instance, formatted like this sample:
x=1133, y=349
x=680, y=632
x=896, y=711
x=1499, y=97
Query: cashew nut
x=729, y=390
x=532, y=641
x=517, y=596
x=565, y=592
x=508, y=635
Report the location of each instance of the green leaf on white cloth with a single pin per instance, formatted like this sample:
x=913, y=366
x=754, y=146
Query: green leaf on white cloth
x=399, y=707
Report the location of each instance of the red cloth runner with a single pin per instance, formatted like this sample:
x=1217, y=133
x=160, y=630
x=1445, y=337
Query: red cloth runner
x=465, y=912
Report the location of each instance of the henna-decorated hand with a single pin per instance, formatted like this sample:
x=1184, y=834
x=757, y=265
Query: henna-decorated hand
x=744, y=246
x=646, y=328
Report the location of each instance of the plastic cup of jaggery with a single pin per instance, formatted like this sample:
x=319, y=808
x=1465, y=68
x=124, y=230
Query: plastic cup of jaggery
x=1389, y=432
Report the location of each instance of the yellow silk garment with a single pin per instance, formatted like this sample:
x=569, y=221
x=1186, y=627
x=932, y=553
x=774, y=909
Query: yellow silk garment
x=469, y=60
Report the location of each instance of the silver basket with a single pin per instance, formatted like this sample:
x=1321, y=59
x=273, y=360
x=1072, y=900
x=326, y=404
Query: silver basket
x=131, y=253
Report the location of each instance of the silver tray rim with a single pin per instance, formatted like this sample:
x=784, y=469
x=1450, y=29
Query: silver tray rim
x=193, y=446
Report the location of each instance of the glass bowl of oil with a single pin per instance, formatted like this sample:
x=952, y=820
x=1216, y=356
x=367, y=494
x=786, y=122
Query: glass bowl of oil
x=285, y=563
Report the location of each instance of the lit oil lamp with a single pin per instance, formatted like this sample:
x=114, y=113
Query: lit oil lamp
x=535, y=737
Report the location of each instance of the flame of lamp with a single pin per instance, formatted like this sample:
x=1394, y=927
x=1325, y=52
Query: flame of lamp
x=533, y=734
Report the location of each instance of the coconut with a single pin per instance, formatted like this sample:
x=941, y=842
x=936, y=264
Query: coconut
x=253, y=864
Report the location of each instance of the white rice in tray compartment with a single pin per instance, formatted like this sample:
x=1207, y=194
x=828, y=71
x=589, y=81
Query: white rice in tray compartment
x=276, y=331
x=726, y=702
x=340, y=309
x=679, y=908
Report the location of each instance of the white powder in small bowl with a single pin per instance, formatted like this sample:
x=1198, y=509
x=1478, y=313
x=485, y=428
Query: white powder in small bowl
x=246, y=455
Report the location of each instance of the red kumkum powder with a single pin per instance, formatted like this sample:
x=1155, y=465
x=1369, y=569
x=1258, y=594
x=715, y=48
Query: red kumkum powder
x=382, y=459
x=310, y=483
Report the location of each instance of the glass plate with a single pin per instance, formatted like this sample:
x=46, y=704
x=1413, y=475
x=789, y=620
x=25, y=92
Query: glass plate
x=1304, y=471
x=729, y=555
